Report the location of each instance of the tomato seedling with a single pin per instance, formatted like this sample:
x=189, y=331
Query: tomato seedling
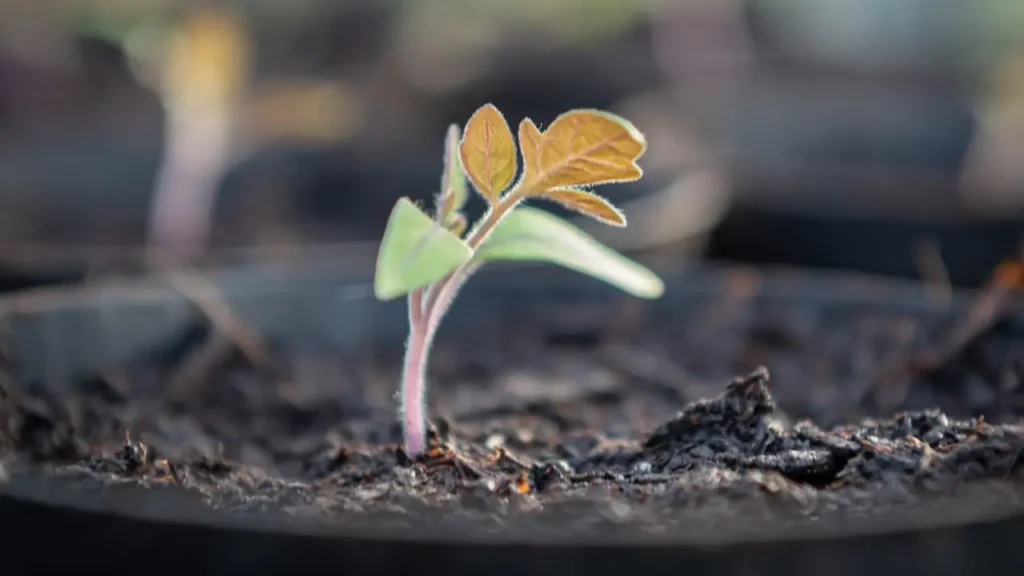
x=428, y=258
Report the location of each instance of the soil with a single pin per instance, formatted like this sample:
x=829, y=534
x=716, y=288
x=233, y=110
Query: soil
x=555, y=431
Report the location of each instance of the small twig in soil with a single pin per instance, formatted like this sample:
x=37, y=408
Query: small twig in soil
x=980, y=316
x=891, y=386
x=891, y=389
x=229, y=331
x=931, y=266
x=442, y=456
x=467, y=469
x=208, y=298
x=200, y=362
x=502, y=456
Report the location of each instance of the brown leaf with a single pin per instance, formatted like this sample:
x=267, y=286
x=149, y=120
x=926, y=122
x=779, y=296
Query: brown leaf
x=580, y=148
x=488, y=152
x=589, y=204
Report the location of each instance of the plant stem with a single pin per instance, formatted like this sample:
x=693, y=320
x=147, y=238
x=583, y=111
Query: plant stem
x=426, y=308
x=445, y=296
x=415, y=307
x=414, y=371
x=443, y=289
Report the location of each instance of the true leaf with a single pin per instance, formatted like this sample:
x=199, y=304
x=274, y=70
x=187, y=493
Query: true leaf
x=453, y=179
x=415, y=252
x=530, y=139
x=488, y=152
x=588, y=204
x=580, y=148
x=531, y=234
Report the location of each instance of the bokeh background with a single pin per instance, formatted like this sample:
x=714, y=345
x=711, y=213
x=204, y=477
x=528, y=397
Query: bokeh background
x=883, y=136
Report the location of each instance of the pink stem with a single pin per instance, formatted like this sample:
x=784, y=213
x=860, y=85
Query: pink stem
x=413, y=398
x=426, y=308
x=197, y=153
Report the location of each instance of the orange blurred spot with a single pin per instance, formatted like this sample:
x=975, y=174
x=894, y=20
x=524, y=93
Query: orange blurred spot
x=522, y=484
x=1009, y=274
x=208, y=59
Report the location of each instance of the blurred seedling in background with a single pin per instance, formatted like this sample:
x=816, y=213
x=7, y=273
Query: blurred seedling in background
x=203, y=77
x=201, y=62
x=429, y=257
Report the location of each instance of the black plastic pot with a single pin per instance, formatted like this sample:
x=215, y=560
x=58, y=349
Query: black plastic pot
x=55, y=338
x=852, y=169
x=970, y=248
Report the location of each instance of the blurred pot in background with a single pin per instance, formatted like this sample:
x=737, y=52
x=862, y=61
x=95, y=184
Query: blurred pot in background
x=993, y=179
x=845, y=137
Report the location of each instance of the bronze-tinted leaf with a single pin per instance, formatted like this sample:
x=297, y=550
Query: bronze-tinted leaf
x=488, y=152
x=589, y=204
x=581, y=148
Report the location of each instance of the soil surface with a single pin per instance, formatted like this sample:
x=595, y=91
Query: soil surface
x=859, y=414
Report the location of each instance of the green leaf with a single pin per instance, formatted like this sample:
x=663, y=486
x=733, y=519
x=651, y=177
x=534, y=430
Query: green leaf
x=535, y=235
x=415, y=252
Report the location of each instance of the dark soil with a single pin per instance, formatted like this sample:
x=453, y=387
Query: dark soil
x=538, y=429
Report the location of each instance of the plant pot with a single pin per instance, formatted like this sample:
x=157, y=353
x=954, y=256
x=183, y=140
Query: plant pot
x=568, y=432
x=969, y=247
x=278, y=201
x=853, y=168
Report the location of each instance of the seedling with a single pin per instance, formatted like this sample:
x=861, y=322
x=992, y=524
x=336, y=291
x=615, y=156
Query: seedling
x=429, y=258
